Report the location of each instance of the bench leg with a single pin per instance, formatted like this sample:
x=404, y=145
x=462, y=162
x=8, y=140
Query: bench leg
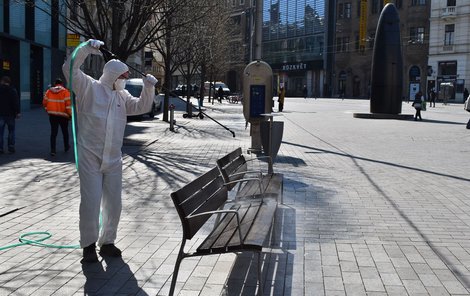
x=177, y=268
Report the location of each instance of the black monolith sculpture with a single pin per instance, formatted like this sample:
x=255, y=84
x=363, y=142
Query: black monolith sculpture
x=387, y=64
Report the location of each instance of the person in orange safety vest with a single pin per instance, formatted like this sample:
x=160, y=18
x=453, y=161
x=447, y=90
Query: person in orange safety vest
x=58, y=105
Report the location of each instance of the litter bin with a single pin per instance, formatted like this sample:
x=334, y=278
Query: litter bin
x=271, y=136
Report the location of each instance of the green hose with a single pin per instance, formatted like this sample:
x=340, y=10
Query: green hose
x=74, y=129
x=38, y=242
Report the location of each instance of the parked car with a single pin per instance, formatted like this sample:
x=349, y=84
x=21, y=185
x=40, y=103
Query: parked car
x=134, y=87
x=179, y=90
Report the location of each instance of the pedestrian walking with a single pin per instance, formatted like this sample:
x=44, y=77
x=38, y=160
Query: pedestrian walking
x=418, y=105
x=9, y=112
x=102, y=107
x=57, y=104
x=220, y=93
x=305, y=92
x=465, y=94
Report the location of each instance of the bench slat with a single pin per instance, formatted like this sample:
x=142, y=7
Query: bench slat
x=271, y=185
x=261, y=229
x=256, y=218
x=205, y=193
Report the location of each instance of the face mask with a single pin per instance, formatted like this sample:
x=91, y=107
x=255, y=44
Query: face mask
x=120, y=84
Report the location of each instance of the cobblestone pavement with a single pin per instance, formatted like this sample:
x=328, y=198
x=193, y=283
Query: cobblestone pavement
x=371, y=207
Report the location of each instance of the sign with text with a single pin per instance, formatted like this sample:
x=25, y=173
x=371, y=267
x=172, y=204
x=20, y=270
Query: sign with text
x=363, y=25
x=73, y=40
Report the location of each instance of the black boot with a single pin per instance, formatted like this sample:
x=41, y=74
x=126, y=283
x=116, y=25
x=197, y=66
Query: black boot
x=110, y=250
x=89, y=254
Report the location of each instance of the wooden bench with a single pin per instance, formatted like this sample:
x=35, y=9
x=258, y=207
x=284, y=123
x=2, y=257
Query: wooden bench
x=236, y=172
x=240, y=226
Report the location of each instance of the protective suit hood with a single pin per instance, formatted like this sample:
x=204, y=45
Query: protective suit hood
x=111, y=71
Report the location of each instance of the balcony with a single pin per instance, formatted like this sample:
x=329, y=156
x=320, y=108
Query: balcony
x=449, y=12
x=448, y=48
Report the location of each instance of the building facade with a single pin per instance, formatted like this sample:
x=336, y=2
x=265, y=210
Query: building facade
x=354, y=31
x=449, y=48
x=240, y=41
x=294, y=44
x=32, y=46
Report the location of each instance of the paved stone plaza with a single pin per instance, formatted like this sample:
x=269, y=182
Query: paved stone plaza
x=371, y=207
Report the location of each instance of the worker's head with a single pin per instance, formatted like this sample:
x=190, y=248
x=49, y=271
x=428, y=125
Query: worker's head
x=58, y=81
x=115, y=74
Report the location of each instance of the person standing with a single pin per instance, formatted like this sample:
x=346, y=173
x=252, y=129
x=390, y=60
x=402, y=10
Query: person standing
x=432, y=98
x=57, y=104
x=9, y=112
x=220, y=93
x=282, y=95
x=305, y=92
x=102, y=107
x=418, y=104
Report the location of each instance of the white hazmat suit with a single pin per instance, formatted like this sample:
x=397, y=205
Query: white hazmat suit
x=101, y=120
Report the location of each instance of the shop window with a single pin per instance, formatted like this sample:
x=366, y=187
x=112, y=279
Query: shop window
x=447, y=68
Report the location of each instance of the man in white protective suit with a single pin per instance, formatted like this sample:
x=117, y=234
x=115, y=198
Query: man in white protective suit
x=102, y=107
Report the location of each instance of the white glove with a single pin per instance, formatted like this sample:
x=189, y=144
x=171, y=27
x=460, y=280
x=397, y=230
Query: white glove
x=95, y=43
x=150, y=80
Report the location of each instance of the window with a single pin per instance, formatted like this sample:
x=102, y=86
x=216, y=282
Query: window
x=418, y=2
x=417, y=35
x=242, y=2
x=449, y=35
x=451, y=2
x=342, y=44
x=344, y=10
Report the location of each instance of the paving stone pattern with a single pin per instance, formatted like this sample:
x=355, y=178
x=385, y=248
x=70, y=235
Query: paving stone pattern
x=371, y=207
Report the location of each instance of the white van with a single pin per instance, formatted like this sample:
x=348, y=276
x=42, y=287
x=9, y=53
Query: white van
x=134, y=87
x=217, y=84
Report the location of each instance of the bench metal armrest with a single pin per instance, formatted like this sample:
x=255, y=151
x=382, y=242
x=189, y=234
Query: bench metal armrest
x=248, y=172
x=258, y=158
x=260, y=183
x=221, y=212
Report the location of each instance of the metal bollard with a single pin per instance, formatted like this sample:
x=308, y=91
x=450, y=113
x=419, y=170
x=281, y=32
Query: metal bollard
x=172, y=116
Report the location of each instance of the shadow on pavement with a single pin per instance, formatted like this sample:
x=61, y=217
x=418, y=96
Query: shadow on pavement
x=432, y=245
x=443, y=121
x=115, y=277
x=276, y=260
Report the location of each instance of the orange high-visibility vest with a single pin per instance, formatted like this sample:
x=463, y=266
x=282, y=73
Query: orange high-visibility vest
x=57, y=101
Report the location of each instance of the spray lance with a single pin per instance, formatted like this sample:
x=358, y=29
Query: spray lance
x=108, y=55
